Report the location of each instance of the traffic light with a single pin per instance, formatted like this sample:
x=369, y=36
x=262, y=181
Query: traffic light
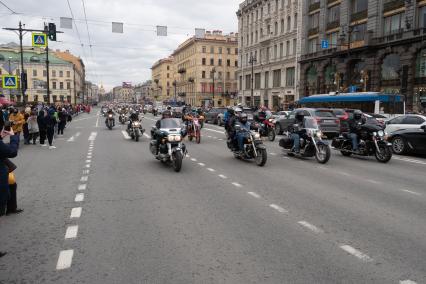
x=52, y=32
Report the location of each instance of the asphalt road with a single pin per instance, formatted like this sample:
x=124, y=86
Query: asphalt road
x=101, y=209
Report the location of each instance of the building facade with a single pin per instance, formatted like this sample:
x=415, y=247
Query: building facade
x=205, y=70
x=269, y=47
x=374, y=45
x=143, y=92
x=63, y=87
x=162, y=78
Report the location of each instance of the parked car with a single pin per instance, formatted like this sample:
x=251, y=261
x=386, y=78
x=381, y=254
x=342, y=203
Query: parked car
x=343, y=116
x=411, y=140
x=410, y=121
x=280, y=115
x=249, y=112
x=211, y=115
x=221, y=118
x=327, y=121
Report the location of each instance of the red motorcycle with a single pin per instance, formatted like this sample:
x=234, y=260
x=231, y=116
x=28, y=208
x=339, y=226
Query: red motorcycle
x=265, y=128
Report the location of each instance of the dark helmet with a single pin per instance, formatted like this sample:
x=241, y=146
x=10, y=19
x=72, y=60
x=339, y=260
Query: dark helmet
x=299, y=115
x=357, y=114
x=167, y=114
x=231, y=111
x=243, y=118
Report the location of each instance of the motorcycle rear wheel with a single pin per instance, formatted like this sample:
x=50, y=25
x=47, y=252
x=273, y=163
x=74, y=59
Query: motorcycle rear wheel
x=261, y=158
x=384, y=155
x=325, y=154
x=177, y=161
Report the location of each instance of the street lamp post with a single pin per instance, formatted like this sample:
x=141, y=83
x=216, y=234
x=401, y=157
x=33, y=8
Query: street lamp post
x=252, y=61
x=213, y=73
x=174, y=85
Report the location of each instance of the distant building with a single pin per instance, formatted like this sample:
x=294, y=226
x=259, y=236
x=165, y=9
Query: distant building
x=124, y=93
x=162, y=78
x=143, y=92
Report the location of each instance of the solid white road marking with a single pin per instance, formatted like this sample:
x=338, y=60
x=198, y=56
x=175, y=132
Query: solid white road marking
x=310, y=227
x=202, y=164
x=222, y=176
x=71, y=232
x=65, y=259
x=254, y=194
x=412, y=192
x=407, y=282
x=220, y=139
x=76, y=212
x=211, y=170
x=89, y=157
x=409, y=160
x=126, y=135
x=82, y=187
x=278, y=208
x=272, y=154
x=236, y=184
x=344, y=174
x=77, y=134
x=79, y=197
x=356, y=253
x=97, y=122
x=373, y=181
x=80, y=119
x=84, y=178
x=92, y=136
x=147, y=136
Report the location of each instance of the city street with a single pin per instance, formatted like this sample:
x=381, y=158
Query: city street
x=101, y=209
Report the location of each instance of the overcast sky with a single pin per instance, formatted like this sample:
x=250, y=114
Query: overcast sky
x=127, y=57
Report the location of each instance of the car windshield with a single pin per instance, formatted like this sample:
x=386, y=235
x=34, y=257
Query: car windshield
x=170, y=123
x=324, y=113
x=310, y=123
x=339, y=112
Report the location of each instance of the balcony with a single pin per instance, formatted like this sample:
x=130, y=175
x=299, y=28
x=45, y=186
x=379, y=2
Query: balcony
x=359, y=16
x=314, y=6
x=392, y=5
x=333, y=25
x=331, y=1
x=313, y=31
x=324, y=52
x=265, y=39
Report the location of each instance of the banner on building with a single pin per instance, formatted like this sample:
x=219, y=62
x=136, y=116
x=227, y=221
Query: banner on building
x=127, y=85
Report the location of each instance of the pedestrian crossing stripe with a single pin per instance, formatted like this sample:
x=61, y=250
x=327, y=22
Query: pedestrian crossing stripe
x=39, y=40
x=10, y=82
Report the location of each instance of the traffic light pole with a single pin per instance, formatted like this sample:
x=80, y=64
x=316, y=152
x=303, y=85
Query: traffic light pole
x=23, y=84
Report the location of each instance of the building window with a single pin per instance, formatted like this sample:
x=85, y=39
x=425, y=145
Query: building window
x=68, y=85
x=61, y=73
x=282, y=26
x=228, y=75
x=248, y=82
x=360, y=32
x=61, y=85
x=421, y=64
x=275, y=51
x=314, y=21
x=332, y=39
x=203, y=61
x=68, y=74
x=276, y=28
x=53, y=73
x=288, y=23
x=236, y=51
x=276, y=82
x=312, y=45
x=359, y=6
x=287, y=51
x=267, y=80
x=228, y=62
x=211, y=61
x=34, y=72
x=54, y=85
x=220, y=49
x=289, y=77
x=219, y=62
x=212, y=49
x=294, y=46
x=257, y=81
x=394, y=24
x=422, y=17
x=228, y=50
x=241, y=82
x=281, y=50
x=168, y=75
x=44, y=73
x=333, y=14
x=391, y=67
x=257, y=37
x=295, y=21
x=204, y=49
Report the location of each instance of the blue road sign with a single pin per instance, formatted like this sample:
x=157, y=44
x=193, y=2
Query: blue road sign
x=39, y=40
x=10, y=82
x=324, y=44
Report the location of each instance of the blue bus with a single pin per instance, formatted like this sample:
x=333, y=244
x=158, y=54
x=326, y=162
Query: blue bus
x=369, y=102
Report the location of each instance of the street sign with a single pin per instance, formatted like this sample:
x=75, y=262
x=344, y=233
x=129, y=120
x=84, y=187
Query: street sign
x=39, y=39
x=324, y=44
x=10, y=82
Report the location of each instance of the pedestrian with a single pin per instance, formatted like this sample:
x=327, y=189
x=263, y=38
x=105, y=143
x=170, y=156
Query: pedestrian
x=6, y=152
x=25, y=130
x=42, y=128
x=50, y=121
x=33, y=128
x=63, y=116
x=17, y=120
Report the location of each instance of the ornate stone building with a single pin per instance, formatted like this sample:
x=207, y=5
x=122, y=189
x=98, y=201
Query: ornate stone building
x=374, y=45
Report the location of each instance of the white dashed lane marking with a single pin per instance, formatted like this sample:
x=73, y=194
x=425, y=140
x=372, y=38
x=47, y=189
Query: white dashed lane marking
x=88, y=166
x=236, y=184
x=278, y=208
x=86, y=172
x=222, y=176
x=255, y=195
x=84, y=178
x=126, y=135
x=412, y=192
x=211, y=170
x=147, y=136
x=65, y=259
x=79, y=197
x=76, y=212
x=358, y=254
x=193, y=159
x=71, y=232
x=82, y=187
x=407, y=282
x=310, y=227
x=201, y=164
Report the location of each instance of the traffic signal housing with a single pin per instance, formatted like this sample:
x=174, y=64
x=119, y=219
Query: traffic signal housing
x=52, y=32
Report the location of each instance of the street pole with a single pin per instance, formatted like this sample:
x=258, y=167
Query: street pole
x=22, y=62
x=47, y=66
x=213, y=71
x=175, y=84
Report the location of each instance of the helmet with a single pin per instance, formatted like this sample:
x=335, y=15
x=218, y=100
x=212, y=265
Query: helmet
x=299, y=115
x=231, y=111
x=243, y=118
x=357, y=114
x=167, y=114
x=238, y=110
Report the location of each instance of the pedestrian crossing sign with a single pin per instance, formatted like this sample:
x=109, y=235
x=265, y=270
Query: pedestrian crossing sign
x=39, y=40
x=10, y=82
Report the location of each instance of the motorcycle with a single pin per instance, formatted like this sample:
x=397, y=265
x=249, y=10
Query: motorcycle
x=110, y=121
x=253, y=147
x=122, y=118
x=144, y=111
x=311, y=143
x=372, y=142
x=266, y=129
x=194, y=130
x=154, y=112
x=135, y=131
x=167, y=145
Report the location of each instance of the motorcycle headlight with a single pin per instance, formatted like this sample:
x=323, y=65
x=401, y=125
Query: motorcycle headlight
x=178, y=138
x=256, y=136
x=381, y=133
x=110, y=116
x=136, y=124
x=375, y=133
x=319, y=134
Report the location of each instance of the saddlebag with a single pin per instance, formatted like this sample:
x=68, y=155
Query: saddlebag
x=286, y=143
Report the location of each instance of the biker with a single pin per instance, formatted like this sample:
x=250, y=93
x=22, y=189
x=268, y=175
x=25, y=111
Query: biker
x=354, y=126
x=244, y=124
x=133, y=117
x=110, y=111
x=295, y=130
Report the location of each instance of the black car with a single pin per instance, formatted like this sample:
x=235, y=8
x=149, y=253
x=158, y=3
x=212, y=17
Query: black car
x=409, y=141
x=211, y=115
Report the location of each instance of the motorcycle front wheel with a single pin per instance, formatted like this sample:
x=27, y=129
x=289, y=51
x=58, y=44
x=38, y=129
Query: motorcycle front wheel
x=384, y=154
x=323, y=154
x=137, y=138
x=198, y=137
x=261, y=158
x=271, y=135
x=177, y=161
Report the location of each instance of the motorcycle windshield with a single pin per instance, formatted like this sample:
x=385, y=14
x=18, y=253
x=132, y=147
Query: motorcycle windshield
x=170, y=123
x=310, y=123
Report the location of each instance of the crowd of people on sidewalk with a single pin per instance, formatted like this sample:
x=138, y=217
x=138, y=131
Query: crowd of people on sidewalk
x=32, y=122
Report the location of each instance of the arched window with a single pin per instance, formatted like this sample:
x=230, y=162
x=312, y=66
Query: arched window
x=282, y=26
x=329, y=74
x=276, y=28
x=390, y=67
x=421, y=64
x=288, y=23
x=312, y=76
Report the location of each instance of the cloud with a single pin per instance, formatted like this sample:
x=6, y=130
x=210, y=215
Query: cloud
x=127, y=57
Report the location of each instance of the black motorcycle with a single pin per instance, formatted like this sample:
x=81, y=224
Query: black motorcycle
x=135, y=131
x=253, y=146
x=311, y=143
x=372, y=141
x=110, y=121
x=122, y=118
